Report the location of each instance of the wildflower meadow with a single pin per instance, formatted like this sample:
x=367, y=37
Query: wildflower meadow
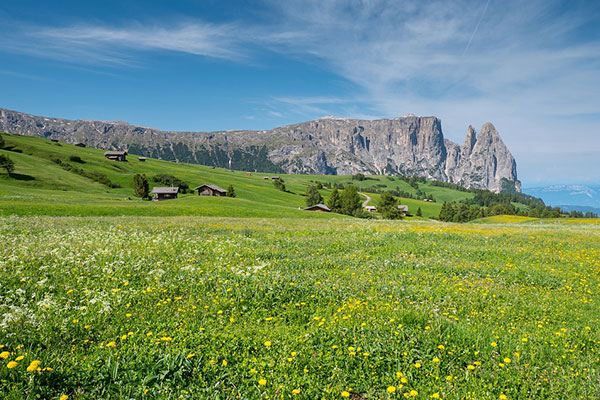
x=219, y=308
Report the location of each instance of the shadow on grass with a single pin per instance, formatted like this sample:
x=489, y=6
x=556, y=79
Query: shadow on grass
x=21, y=177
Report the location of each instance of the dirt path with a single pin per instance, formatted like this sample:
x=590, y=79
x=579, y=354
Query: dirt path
x=364, y=204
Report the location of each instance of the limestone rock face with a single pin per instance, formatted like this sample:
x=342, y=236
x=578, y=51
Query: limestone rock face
x=409, y=145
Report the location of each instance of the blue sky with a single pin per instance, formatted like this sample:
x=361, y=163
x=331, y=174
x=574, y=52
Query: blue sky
x=531, y=68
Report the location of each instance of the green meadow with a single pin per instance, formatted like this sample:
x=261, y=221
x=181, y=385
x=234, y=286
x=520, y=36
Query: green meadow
x=265, y=308
x=41, y=187
x=107, y=296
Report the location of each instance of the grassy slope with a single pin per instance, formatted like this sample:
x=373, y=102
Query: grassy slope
x=42, y=187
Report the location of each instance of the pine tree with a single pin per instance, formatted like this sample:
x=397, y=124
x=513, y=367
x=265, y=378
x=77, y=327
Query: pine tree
x=140, y=186
x=313, y=196
x=2, y=143
x=334, y=202
x=230, y=191
x=387, y=206
x=419, y=212
x=350, y=200
x=7, y=164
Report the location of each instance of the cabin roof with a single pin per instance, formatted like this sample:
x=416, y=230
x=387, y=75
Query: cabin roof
x=213, y=187
x=165, y=190
x=115, y=153
x=321, y=206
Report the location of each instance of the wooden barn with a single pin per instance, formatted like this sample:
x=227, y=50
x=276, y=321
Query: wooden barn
x=318, y=208
x=403, y=209
x=142, y=159
x=116, y=155
x=210, y=190
x=164, y=193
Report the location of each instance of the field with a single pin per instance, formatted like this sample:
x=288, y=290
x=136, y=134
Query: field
x=41, y=187
x=248, y=308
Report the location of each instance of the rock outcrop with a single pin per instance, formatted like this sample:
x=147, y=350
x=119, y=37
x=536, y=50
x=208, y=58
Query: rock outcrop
x=409, y=146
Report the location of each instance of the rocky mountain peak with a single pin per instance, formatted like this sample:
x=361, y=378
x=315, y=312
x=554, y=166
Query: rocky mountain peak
x=410, y=145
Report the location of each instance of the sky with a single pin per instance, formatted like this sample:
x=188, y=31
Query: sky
x=532, y=68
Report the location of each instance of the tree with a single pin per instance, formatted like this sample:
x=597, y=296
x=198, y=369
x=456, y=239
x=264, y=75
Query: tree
x=447, y=212
x=334, y=201
x=350, y=200
x=387, y=206
x=7, y=164
x=230, y=191
x=313, y=196
x=140, y=186
x=419, y=212
x=2, y=143
x=279, y=184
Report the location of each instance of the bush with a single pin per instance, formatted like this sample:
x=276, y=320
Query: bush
x=230, y=191
x=76, y=159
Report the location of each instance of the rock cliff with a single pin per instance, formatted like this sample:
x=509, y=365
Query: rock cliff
x=409, y=146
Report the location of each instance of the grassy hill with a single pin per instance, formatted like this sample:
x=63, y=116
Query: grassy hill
x=40, y=186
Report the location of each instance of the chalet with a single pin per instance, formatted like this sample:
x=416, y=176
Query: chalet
x=275, y=178
x=318, y=208
x=370, y=209
x=403, y=209
x=142, y=159
x=266, y=178
x=116, y=155
x=210, y=190
x=80, y=144
x=54, y=140
x=164, y=193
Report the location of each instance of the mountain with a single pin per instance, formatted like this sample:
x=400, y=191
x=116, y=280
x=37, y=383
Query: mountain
x=583, y=209
x=568, y=195
x=409, y=145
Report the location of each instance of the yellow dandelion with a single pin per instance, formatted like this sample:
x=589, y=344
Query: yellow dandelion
x=435, y=396
x=63, y=397
x=12, y=364
x=5, y=354
x=436, y=360
x=494, y=344
x=345, y=394
x=414, y=393
x=471, y=367
x=391, y=389
x=110, y=344
x=507, y=360
x=503, y=397
x=399, y=375
x=224, y=363
x=268, y=343
x=418, y=365
x=296, y=391
x=34, y=365
x=19, y=358
x=262, y=382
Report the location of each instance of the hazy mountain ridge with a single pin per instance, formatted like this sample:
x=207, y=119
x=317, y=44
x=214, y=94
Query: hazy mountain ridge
x=568, y=195
x=409, y=145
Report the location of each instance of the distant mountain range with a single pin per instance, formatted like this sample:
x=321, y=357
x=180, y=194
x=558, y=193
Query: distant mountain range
x=569, y=197
x=409, y=145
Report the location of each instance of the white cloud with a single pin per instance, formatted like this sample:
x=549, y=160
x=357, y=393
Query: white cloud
x=521, y=65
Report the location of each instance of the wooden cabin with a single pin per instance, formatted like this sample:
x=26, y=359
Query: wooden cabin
x=164, y=193
x=80, y=144
x=210, y=190
x=142, y=159
x=318, y=208
x=116, y=155
x=403, y=209
x=370, y=209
